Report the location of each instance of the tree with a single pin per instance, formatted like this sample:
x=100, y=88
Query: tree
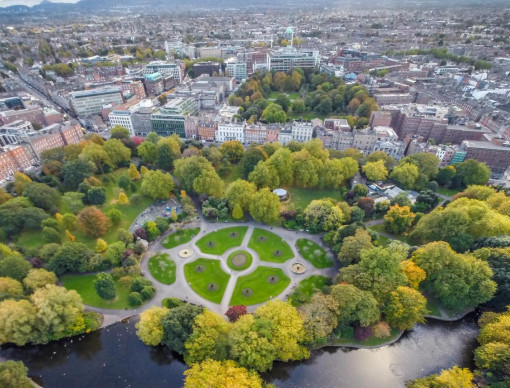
x=323, y=215
x=188, y=169
x=14, y=267
x=96, y=196
x=101, y=245
x=42, y=196
x=353, y=305
x=152, y=230
x=98, y=156
x=123, y=199
x=148, y=152
x=133, y=173
x=428, y=163
x=367, y=204
x=220, y=374
x=10, y=288
x=235, y=312
x=375, y=171
x=57, y=309
x=319, y=317
x=337, y=171
x=4, y=196
x=168, y=150
x=306, y=169
x=158, y=185
x=208, y=182
x=264, y=175
x=473, y=284
x=178, y=326
x=70, y=257
x=473, y=172
x=119, y=132
x=445, y=175
x=173, y=215
x=298, y=106
x=213, y=155
x=274, y=114
x=240, y=192
x=117, y=151
x=451, y=378
x=287, y=329
x=150, y=327
x=104, y=285
x=93, y=221
x=232, y=150
x=389, y=161
x=209, y=339
x=75, y=171
x=265, y=206
x=20, y=182
x=74, y=202
x=17, y=321
x=237, y=213
x=281, y=161
x=414, y=274
x=398, y=219
x=37, y=278
x=405, y=174
x=405, y=308
x=352, y=246
x=13, y=374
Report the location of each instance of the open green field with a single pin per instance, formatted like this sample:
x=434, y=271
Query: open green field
x=304, y=291
x=261, y=284
x=274, y=95
x=300, y=197
x=84, y=285
x=207, y=279
x=314, y=253
x=231, y=174
x=162, y=268
x=216, y=243
x=448, y=192
x=380, y=228
x=34, y=239
x=239, y=255
x=181, y=236
x=270, y=246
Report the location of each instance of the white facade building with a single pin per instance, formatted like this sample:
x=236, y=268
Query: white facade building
x=302, y=131
x=230, y=131
x=122, y=118
x=164, y=68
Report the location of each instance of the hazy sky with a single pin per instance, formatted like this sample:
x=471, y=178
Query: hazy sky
x=7, y=3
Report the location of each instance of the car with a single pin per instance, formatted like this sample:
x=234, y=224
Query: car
x=168, y=208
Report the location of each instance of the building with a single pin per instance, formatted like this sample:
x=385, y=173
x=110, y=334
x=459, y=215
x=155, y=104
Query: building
x=209, y=52
x=153, y=84
x=208, y=68
x=137, y=88
x=207, y=130
x=495, y=154
x=142, y=121
x=393, y=148
x=91, y=102
x=230, y=131
x=302, y=131
x=235, y=68
x=288, y=58
x=122, y=118
x=165, y=68
x=170, y=119
x=34, y=114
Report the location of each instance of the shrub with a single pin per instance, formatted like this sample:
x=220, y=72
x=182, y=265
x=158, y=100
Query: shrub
x=147, y=292
x=104, y=285
x=171, y=303
x=139, y=283
x=362, y=333
x=135, y=299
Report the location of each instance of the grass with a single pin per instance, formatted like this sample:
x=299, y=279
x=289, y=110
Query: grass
x=299, y=197
x=162, y=268
x=274, y=95
x=84, y=285
x=232, y=173
x=262, y=289
x=448, y=192
x=266, y=244
x=380, y=228
x=433, y=307
x=182, y=236
x=371, y=341
x=306, y=288
x=34, y=239
x=221, y=241
x=314, y=253
x=212, y=273
x=249, y=260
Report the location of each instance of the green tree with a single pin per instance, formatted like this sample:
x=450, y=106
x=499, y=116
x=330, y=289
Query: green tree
x=240, y=192
x=150, y=326
x=232, y=150
x=337, y=171
x=264, y=175
x=10, y=288
x=37, y=278
x=405, y=174
x=70, y=257
x=156, y=184
x=14, y=267
x=306, y=169
x=319, y=317
x=274, y=114
x=117, y=151
x=375, y=171
x=281, y=162
x=208, y=182
x=473, y=172
x=98, y=156
x=354, y=305
x=389, y=161
x=105, y=286
x=148, y=152
x=352, y=246
x=450, y=378
x=428, y=163
x=13, y=374
x=178, y=326
x=119, y=132
x=96, y=196
x=188, y=169
x=405, y=308
x=323, y=215
x=42, y=196
x=237, y=213
x=213, y=154
x=168, y=150
x=398, y=219
x=75, y=171
x=265, y=206
x=445, y=175
x=17, y=322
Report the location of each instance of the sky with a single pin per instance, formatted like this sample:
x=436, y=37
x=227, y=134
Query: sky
x=7, y=3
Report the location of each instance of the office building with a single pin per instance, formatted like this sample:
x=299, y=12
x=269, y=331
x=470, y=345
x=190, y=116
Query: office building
x=91, y=102
x=235, y=68
x=165, y=68
x=288, y=58
x=170, y=119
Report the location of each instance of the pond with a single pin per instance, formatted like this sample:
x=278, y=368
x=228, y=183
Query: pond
x=115, y=357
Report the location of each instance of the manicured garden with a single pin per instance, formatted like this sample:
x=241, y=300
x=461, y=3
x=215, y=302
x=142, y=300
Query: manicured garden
x=239, y=260
x=162, y=268
x=300, y=197
x=216, y=243
x=84, y=285
x=181, y=236
x=314, y=253
x=260, y=286
x=207, y=279
x=270, y=246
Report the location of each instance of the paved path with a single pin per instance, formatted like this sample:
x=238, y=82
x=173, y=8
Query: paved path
x=182, y=290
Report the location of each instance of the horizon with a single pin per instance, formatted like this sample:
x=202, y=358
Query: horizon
x=31, y=3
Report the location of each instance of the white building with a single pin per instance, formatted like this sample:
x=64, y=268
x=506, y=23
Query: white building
x=90, y=102
x=393, y=148
x=236, y=69
x=230, y=131
x=285, y=136
x=288, y=58
x=164, y=68
x=122, y=118
x=302, y=131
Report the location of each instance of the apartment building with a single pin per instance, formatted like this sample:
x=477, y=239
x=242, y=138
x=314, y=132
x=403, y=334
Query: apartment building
x=302, y=131
x=230, y=131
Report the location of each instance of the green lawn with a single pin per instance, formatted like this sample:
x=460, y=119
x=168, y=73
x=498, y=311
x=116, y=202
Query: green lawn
x=182, y=236
x=209, y=273
x=231, y=174
x=306, y=289
x=348, y=339
x=33, y=239
x=162, y=268
x=270, y=246
x=300, y=197
x=274, y=95
x=380, y=228
x=216, y=243
x=314, y=253
x=249, y=260
x=84, y=285
x=262, y=290
x=448, y=192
